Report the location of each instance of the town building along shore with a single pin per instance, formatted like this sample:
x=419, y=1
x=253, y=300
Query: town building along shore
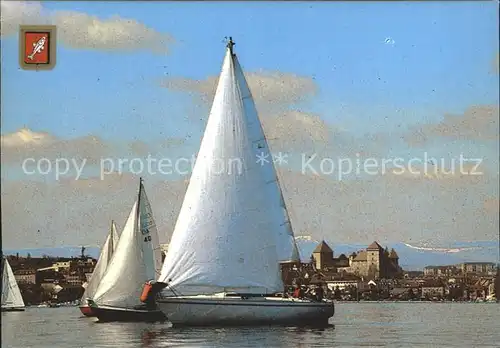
x=51, y=279
x=373, y=273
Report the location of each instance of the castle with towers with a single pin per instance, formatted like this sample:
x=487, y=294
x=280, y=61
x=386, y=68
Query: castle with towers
x=374, y=262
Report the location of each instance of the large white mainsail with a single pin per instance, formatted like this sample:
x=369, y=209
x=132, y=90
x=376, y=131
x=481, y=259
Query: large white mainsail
x=132, y=263
x=11, y=295
x=232, y=226
x=232, y=229
x=105, y=256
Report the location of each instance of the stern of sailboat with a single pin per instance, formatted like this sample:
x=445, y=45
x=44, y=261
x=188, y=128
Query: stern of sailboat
x=87, y=311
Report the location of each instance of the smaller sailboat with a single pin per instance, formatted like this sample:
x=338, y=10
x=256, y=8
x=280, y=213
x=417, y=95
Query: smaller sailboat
x=11, y=295
x=107, y=252
x=136, y=260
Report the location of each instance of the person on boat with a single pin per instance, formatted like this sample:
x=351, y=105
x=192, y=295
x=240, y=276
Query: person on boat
x=302, y=292
x=148, y=297
x=296, y=292
x=287, y=292
x=319, y=293
x=309, y=293
x=151, y=301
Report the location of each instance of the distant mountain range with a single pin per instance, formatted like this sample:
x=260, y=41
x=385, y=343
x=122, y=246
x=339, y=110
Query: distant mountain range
x=411, y=257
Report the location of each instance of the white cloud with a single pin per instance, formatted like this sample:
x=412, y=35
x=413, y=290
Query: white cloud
x=26, y=137
x=267, y=87
x=472, y=172
x=388, y=208
x=78, y=212
x=296, y=125
x=476, y=123
x=14, y=13
x=392, y=208
x=26, y=143
x=273, y=93
x=83, y=31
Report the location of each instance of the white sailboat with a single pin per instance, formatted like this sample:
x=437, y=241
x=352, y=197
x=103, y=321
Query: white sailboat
x=107, y=252
x=137, y=259
x=222, y=264
x=11, y=295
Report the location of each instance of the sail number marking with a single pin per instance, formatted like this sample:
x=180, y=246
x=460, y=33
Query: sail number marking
x=147, y=239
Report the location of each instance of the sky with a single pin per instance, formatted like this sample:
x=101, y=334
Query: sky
x=330, y=80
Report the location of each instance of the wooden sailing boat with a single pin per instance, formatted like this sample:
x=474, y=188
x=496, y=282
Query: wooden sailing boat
x=11, y=295
x=137, y=259
x=222, y=264
x=107, y=252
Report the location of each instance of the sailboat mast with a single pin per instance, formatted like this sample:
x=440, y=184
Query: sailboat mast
x=137, y=211
x=111, y=239
x=230, y=45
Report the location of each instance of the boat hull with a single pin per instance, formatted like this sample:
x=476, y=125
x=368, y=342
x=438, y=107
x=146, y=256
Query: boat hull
x=110, y=314
x=210, y=311
x=87, y=311
x=13, y=309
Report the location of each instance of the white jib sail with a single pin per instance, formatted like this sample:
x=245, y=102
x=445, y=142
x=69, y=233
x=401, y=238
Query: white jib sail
x=125, y=275
x=231, y=219
x=149, y=234
x=286, y=244
x=11, y=295
x=102, y=263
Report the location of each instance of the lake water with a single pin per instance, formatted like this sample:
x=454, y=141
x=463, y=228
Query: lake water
x=354, y=325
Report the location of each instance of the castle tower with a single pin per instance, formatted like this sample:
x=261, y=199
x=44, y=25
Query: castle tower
x=323, y=255
x=374, y=256
x=394, y=257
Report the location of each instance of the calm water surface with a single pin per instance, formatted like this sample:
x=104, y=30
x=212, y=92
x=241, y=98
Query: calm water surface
x=354, y=325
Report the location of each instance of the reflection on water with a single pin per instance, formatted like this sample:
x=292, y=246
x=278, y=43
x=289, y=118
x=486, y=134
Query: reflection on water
x=355, y=325
x=241, y=337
